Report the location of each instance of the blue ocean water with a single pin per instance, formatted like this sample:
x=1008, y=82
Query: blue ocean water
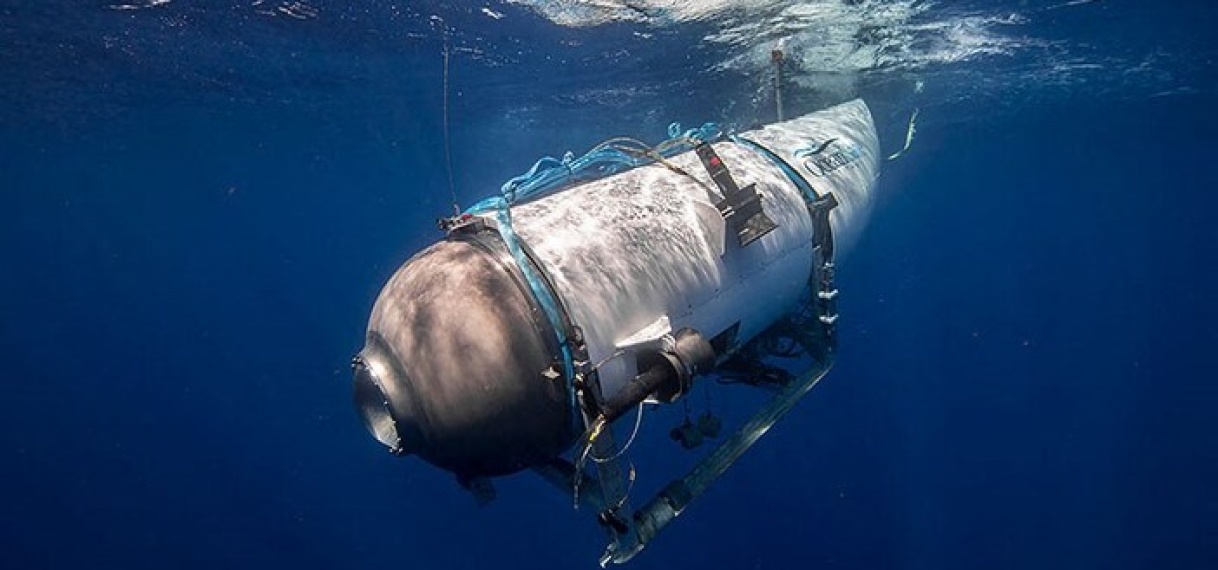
x=201, y=201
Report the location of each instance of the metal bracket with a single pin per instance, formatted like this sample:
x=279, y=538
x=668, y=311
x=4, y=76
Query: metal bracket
x=740, y=207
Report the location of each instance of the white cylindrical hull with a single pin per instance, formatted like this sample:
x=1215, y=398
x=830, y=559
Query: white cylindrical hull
x=646, y=251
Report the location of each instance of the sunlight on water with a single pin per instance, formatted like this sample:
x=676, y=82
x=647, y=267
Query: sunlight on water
x=1002, y=52
x=633, y=56
x=831, y=35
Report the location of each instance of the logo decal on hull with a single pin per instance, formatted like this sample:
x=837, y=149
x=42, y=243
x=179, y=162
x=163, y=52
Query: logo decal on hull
x=821, y=159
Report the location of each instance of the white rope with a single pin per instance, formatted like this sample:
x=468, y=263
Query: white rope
x=638, y=421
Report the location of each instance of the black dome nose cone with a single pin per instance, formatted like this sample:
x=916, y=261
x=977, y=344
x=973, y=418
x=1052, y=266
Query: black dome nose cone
x=455, y=366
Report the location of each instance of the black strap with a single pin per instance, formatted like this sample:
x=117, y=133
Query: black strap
x=822, y=229
x=824, y=289
x=717, y=170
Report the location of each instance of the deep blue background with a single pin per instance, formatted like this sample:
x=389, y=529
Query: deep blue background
x=191, y=238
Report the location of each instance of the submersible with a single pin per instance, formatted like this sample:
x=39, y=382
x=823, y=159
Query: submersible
x=592, y=286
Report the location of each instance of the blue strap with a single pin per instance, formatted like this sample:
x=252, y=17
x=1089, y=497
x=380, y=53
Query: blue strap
x=806, y=189
x=610, y=157
x=537, y=285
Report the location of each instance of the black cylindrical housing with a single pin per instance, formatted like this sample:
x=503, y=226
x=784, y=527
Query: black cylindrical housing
x=669, y=374
x=653, y=379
